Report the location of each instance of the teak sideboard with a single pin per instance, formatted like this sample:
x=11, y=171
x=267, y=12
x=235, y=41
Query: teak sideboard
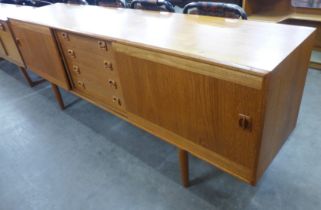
x=226, y=91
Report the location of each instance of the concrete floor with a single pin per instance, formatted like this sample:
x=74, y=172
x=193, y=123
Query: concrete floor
x=86, y=159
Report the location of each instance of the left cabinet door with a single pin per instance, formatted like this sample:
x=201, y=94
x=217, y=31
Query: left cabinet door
x=40, y=52
x=8, y=48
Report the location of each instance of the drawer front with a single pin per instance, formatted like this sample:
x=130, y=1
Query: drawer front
x=92, y=68
x=103, y=88
x=40, y=52
x=101, y=48
x=8, y=47
x=99, y=66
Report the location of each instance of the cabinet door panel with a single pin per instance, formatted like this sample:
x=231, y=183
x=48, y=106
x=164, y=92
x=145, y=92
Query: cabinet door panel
x=202, y=109
x=39, y=50
x=8, y=48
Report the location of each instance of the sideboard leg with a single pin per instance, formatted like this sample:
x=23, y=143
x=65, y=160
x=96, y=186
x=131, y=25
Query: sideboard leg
x=59, y=99
x=183, y=158
x=26, y=76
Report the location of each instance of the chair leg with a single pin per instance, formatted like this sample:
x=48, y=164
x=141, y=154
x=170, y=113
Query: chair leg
x=59, y=99
x=183, y=158
x=26, y=76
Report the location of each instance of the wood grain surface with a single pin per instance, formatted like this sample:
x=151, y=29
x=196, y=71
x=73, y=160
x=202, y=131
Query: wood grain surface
x=243, y=45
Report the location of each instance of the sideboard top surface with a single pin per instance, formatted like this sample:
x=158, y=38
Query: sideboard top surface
x=253, y=47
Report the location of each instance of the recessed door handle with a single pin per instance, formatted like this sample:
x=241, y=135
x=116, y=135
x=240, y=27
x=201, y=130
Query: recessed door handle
x=245, y=122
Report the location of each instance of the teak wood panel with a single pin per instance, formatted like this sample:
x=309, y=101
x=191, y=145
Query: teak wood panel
x=39, y=51
x=8, y=47
x=100, y=47
x=92, y=69
x=201, y=109
x=284, y=91
x=218, y=72
x=239, y=44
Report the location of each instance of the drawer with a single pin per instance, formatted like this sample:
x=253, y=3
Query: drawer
x=81, y=72
x=103, y=68
x=91, y=68
x=102, y=77
x=96, y=47
x=100, y=66
x=98, y=89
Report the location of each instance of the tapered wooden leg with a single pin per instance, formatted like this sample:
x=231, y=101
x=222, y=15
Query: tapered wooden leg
x=59, y=99
x=183, y=159
x=26, y=76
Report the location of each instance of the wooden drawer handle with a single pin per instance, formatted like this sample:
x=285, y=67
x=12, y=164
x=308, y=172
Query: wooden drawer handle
x=102, y=45
x=2, y=28
x=81, y=84
x=108, y=65
x=71, y=53
x=117, y=100
x=112, y=83
x=65, y=35
x=76, y=69
x=245, y=122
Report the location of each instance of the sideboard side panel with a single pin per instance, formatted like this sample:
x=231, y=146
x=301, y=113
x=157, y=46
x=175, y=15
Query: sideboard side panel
x=284, y=88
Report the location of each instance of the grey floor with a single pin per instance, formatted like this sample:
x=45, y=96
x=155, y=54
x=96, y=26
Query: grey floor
x=84, y=158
